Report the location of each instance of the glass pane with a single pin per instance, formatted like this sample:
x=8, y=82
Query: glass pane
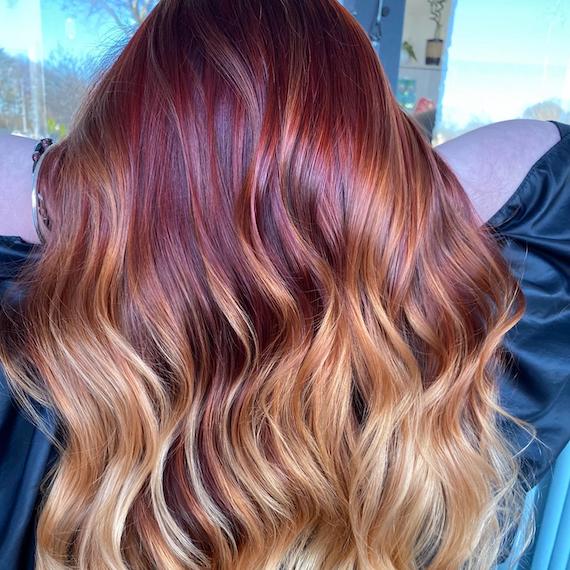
x=506, y=60
x=49, y=51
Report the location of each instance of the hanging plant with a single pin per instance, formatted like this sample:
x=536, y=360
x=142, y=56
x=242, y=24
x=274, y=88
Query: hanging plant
x=409, y=50
x=436, y=9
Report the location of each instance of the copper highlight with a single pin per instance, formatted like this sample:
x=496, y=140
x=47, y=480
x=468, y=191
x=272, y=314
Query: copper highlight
x=267, y=317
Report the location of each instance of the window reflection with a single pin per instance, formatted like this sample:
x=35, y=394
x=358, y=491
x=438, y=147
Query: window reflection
x=46, y=64
x=506, y=60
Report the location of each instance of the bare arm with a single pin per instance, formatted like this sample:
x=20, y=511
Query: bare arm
x=16, y=187
x=492, y=161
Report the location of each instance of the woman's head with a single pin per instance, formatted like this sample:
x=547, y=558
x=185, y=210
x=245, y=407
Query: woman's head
x=266, y=314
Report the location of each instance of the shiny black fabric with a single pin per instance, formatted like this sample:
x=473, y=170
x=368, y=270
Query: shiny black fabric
x=534, y=230
x=25, y=452
x=535, y=227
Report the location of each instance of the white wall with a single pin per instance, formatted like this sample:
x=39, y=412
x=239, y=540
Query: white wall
x=418, y=28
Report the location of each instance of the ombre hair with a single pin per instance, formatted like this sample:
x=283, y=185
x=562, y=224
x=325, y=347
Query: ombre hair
x=267, y=317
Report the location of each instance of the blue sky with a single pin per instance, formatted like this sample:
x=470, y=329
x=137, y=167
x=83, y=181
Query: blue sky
x=505, y=55
x=512, y=31
x=37, y=28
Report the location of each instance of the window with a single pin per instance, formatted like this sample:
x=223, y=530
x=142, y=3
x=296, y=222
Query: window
x=50, y=51
x=501, y=60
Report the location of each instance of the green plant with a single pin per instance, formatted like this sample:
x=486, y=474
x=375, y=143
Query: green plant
x=436, y=9
x=409, y=49
x=55, y=128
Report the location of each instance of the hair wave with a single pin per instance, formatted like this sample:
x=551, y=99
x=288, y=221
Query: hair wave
x=267, y=316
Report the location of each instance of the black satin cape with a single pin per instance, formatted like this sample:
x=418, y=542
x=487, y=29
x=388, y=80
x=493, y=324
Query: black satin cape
x=533, y=227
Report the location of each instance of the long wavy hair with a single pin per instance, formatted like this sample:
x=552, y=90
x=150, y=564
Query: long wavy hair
x=267, y=317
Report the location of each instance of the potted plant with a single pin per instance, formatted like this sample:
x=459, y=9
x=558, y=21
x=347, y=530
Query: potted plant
x=434, y=46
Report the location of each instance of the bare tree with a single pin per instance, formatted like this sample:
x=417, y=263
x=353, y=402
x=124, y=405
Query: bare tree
x=125, y=13
x=66, y=79
x=545, y=111
x=44, y=95
x=64, y=82
x=14, y=92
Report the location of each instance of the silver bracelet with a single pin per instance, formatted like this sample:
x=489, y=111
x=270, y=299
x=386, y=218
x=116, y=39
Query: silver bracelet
x=38, y=204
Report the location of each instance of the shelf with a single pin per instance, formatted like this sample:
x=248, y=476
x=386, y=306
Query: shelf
x=421, y=67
